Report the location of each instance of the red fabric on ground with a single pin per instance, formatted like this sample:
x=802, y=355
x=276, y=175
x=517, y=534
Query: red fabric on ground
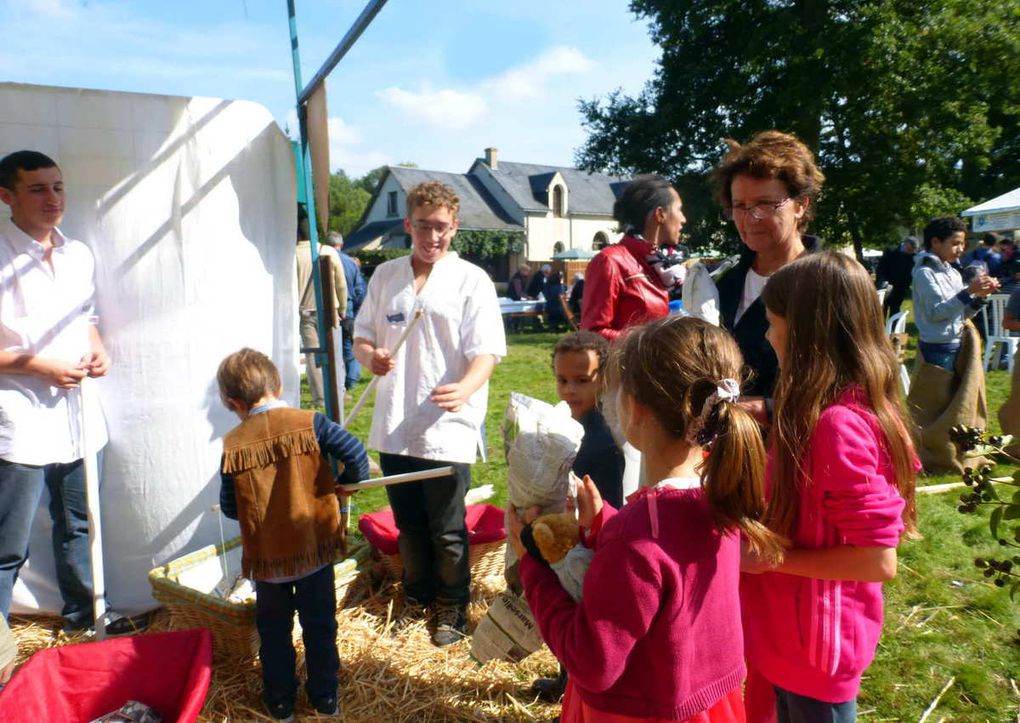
x=484, y=524
x=169, y=672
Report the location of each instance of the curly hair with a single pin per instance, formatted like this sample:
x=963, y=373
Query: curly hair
x=432, y=193
x=583, y=341
x=770, y=154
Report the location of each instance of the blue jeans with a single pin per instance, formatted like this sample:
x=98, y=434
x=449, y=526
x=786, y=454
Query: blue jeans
x=941, y=355
x=352, y=374
x=21, y=487
x=793, y=708
x=314, y=599
x=433, y=539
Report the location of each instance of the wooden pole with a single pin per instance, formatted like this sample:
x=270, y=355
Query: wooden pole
x=326, y=343
x=92, y=505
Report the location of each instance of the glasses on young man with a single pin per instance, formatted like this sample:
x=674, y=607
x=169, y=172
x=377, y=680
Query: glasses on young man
x=759, y=211
x=425, y=227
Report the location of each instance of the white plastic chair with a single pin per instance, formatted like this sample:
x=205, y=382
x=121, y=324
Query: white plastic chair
x=994, y=312
x=897, y=324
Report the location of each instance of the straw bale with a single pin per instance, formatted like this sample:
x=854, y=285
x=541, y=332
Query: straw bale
x=384, y=677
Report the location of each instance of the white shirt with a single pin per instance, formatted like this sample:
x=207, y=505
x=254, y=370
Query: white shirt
x=45, y=312
x=461, y=321
x=754, y=284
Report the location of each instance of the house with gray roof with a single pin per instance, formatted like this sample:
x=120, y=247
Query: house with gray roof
x=554, y=208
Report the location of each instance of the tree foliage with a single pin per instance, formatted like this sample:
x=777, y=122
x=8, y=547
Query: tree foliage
x=487, y=244
x=347, y=202
x=903, y=102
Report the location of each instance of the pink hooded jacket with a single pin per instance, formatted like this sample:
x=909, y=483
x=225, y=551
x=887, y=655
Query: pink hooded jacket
x=816, y=637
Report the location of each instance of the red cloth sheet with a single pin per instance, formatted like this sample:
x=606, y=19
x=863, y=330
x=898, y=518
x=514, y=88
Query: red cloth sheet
x=484, y=523
x=169, y=672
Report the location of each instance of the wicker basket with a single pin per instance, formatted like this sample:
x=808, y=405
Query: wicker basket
x=487, y=558
x=233, y=624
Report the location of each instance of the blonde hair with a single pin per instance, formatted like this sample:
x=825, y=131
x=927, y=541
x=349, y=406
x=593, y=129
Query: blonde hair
x=432, y=193
x=671, y=366
x=835, y=340
x=247, y=376
x=770, y=154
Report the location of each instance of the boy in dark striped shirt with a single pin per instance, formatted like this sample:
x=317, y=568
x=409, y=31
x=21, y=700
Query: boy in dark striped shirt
x=278, y=484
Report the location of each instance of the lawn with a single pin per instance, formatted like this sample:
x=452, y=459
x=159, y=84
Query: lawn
x=944, y=621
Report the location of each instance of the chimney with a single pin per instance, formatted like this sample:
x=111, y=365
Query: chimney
x=490, y=158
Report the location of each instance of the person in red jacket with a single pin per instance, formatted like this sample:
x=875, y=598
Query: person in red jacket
x=620, y=287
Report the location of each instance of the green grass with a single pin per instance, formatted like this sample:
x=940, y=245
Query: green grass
x=943, y=619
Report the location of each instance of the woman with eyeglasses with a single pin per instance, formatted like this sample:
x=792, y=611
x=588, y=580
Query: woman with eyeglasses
x=767, y=187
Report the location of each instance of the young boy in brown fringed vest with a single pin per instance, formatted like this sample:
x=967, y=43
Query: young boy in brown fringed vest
x=277, y=482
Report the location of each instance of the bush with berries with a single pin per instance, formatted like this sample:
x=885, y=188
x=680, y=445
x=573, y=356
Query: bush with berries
x=1000, y=495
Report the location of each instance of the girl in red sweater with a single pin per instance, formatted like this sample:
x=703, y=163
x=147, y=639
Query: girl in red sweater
x=840, y=483
x=657, y=633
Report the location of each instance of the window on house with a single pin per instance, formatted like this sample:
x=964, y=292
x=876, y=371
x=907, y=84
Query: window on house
x=391, y=203
x=558, y=247
x=600, y=241
x=558, y=201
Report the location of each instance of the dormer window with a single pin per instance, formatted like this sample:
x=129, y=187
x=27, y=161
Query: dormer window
x=557, y=201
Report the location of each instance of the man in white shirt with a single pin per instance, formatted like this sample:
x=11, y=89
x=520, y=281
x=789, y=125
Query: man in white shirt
x=431, y=399
x=49, y=343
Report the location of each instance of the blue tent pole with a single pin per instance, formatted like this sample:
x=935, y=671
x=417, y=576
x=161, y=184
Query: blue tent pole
x=303, y=167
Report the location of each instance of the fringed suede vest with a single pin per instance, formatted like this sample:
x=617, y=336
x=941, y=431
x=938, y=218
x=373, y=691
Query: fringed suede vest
x=286, y=496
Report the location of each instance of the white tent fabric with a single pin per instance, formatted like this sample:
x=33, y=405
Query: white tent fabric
x=1001, y=213
x=189, y=207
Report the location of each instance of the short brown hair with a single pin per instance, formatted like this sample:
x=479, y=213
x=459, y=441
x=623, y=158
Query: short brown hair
x=770, y=154
x=248, y=376
x=432, y=193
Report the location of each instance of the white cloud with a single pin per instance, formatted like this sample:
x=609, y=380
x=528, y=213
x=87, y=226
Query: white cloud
x=340, y=133
x=528, y=81
x=447, y=108
x=51, y=8
x=453, y=109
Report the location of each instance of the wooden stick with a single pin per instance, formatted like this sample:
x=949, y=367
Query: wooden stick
x=934, y=703
x=375, y=380
x=396, y=479
x=92, y=506
x=345, y=507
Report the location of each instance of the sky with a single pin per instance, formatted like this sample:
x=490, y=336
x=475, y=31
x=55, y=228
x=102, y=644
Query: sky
x=430, y=82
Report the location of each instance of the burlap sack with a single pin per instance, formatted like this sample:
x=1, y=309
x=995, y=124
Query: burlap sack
x=940, y=400
x=1009, y=413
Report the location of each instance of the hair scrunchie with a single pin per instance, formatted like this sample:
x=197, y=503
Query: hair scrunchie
x=726, y=390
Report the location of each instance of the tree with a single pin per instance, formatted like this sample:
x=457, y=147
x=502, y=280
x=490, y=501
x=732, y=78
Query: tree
x=347, y=203
x=892, y=96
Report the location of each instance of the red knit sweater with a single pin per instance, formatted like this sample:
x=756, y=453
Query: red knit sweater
x=657, y=631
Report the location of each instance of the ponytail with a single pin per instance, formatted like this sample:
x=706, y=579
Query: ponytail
x=733, y=479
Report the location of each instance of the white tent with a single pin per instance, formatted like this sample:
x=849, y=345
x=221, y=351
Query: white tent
x=1002, y=213
x=189, y=207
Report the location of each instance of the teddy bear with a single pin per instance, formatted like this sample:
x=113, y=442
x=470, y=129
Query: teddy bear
x=557, y=536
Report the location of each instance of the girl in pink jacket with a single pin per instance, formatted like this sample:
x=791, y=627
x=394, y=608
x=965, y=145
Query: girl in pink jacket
x=656, y=636
x=840, y=488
